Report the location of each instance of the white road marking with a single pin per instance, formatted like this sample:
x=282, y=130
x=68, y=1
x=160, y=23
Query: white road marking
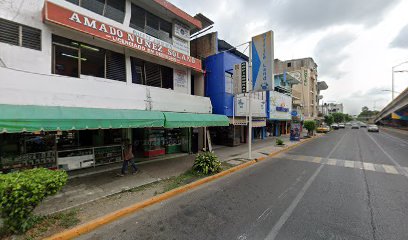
x=390, y=169
x=331, y=162
x=368, y=166
x=317, y=160
x=349, y=164
x=288, y=212
x=402, y=170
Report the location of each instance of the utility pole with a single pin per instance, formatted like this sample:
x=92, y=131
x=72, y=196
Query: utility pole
x=249, y=103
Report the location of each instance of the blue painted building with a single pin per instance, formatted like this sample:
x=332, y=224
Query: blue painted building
x=219, y=60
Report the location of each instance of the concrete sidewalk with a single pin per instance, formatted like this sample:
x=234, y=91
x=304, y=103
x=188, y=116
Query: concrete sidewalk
x=91, y=184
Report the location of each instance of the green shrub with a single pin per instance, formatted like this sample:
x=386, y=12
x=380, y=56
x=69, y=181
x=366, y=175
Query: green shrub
x=21, y=192
x=207, y=163
x=310, y=126
x=279, y=142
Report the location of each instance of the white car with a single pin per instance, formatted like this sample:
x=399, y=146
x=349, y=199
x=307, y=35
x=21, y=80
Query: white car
x=373, y=128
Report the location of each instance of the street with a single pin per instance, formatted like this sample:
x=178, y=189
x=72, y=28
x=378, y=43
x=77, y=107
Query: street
x=348, y=184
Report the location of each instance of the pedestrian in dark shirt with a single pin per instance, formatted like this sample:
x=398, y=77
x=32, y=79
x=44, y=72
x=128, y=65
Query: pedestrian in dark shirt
x=128, y=157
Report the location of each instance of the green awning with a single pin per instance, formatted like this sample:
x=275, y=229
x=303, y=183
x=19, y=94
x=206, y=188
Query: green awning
x=19, y=118
x=180, y=120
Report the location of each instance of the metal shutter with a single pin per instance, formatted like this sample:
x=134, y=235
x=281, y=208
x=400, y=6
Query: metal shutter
x=115, y=10
x=31, y=38
x=153, y=75
x=9, y=32
x=115, y=66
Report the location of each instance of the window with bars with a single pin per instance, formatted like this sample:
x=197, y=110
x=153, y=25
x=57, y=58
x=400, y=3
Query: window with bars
x=73, y=58
x=20, y=35
x=113, y=9
x=151, y=74
x=150, y=24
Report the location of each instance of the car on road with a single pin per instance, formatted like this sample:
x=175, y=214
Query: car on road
x=355, y=126
x=335, y=126
x=342, y=125
x=373, y=128
x=323, y=129
x=363, y=125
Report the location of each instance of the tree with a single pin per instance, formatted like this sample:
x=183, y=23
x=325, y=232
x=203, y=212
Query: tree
x=338, y=117
x=310, y=126
x=329, y=120
x=364, y=109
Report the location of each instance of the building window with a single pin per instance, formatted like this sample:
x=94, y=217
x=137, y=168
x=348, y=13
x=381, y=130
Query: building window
x=150, y=24
x=289, y=64
x=20, y=35
x=151, y=74
x=72, y=58
x=113, y=9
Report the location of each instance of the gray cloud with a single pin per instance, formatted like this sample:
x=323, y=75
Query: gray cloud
x=401, y=41
x=373, y=98
x=330, y=53
x=318, y=14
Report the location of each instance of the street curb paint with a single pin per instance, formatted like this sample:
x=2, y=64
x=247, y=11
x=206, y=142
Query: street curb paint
x=92, y=225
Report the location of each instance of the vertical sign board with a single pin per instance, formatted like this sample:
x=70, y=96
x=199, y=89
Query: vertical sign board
x=241, y=78
x=244, y=77
x=262, y=62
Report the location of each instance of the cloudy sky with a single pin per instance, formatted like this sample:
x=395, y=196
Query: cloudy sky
x=354, y=42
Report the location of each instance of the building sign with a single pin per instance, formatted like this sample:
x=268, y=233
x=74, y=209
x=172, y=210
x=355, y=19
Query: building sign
x=181, y=45
x=262, y=62
x=67, y=18
x=280, y=106
x=181, y=31
x=180, y=81
x=241, y=106
x=241, y=78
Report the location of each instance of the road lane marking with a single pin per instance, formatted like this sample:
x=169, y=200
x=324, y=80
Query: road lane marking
x=348, y=164
x=390, y=169
x=382, y=168
x=331, y=162
x=317, y=160
x=368, y=166
x=288, y=212
x=402, y=170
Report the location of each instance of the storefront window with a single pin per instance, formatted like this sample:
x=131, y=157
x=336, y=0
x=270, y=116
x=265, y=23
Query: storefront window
x=113, y=9
x=151, y=74
x=66, y=61
x=72, y=58
x=151, y=24
x=92, y=61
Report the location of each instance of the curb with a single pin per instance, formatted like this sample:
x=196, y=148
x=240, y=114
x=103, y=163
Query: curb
x=92, y=225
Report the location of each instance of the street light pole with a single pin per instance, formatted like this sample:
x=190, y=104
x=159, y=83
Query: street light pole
x=393, y=71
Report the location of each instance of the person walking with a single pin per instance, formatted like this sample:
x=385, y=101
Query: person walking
x=128, y=158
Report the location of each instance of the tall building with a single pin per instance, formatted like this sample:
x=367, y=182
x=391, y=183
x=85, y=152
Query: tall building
x=329, y=108
x=78, y=77
x=306, y=95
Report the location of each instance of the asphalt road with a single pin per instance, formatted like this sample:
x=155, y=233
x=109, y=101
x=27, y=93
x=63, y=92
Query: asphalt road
x=348, y=184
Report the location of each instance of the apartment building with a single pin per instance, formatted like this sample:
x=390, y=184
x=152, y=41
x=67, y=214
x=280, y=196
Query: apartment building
x=306, y=95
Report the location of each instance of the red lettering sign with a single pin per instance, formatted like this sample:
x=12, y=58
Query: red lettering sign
x=65, y=17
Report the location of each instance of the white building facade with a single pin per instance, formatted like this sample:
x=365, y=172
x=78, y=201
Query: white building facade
x=78, y=56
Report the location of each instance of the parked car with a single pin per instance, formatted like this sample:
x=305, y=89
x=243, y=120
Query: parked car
x=341, y=125
x=348, y=124
x=373, y=128
x=363, y=125
x=335, y=126
x=323, y=129
x=355, y=126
